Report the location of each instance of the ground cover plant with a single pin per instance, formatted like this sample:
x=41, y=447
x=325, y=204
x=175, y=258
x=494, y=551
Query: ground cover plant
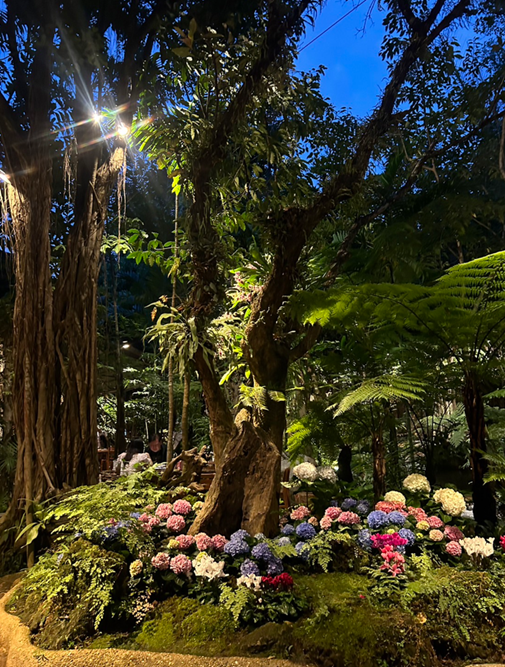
x=405, y=581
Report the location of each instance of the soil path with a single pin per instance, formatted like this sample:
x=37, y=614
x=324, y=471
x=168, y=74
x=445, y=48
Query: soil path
x=16, y=650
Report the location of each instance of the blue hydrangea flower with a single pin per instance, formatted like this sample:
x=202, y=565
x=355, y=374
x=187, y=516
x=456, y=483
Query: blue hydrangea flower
x=283, y=541
x=275, y=567
x=249, y=567
x=239, y=535
x=110, y=533
x=377, y=519
x=288, y=529
x=362, y=508
x=305, y=531
x=123, y=524
x=348, y=504
x=236, y=548
x=407, y=535
x=364, y=539
x=262, y=552
x=396, y=518
x=135, y=515
x=303, y=550
x=334, y=503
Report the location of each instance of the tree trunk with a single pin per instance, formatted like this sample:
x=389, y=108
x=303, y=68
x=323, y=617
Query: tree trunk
x=185, y=412
x=120, y=442
x=379, y=466
x=484, y=508
x=344, y=464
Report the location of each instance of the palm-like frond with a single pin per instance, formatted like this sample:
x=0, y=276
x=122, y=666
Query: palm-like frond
x=383, y=388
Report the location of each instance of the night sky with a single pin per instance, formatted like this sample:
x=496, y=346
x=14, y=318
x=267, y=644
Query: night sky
x=355, y=72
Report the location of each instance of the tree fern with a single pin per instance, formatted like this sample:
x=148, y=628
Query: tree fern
x=383, y=388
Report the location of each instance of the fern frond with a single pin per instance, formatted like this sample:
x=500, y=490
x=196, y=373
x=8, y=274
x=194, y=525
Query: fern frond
x=383, y=388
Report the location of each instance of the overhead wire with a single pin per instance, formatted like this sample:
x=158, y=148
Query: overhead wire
x=344, y=16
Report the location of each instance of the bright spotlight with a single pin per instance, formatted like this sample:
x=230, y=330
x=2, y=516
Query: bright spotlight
x=125, y=346
x=122, y=130
x=97, y=117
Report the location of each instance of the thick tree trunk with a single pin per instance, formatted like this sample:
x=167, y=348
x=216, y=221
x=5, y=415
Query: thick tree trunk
x=484, y=508
x=379, y=466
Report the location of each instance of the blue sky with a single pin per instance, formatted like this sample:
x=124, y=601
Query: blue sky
x=355, y=73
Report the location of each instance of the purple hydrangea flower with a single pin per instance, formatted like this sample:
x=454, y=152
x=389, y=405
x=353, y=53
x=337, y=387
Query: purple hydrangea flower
x=262, y=552
x=396, y=518
x=364, y=540
x=288, y=529
x=362, y=508
x=377, y=519
x=348, y=504
x=239, y=535
x=283, y=541
x=305, y=531
x=135, y=515
x=110, y=533
x=249, y=567
x=303, y=550
x=236, y=548
x=407, y=535
x=275, y=567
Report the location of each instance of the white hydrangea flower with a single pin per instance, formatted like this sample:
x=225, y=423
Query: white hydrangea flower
x=478, y=547
x=327, y=474
x=305, y=471
x=417, y=484
x=250, y=580
x=205, y=566
x=452, y=501
x=395, y=497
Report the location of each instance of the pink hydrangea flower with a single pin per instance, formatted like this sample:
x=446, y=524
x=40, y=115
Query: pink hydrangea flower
x=182, y=507
x=313, y=521
x=453, y=548
x=348, y=518
x=326, y=522
x=418, y=513
x=218, y=542
x=161, y=561
x=144, y=518
x=333, y=512
x=388, y=507
x=185, y=541
x=300, y=513
x=453, y=533
x=435, y=522
x=203, y=542
x=176, y=523
x=180, y=564
x=164, y=510
x=151, y=523
x=388, y=540
x=436, y=535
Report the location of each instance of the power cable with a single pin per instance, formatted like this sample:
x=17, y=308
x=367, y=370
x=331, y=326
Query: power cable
x=333, y=24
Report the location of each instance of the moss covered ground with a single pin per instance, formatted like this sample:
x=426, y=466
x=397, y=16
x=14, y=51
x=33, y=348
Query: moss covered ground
x=445, y=617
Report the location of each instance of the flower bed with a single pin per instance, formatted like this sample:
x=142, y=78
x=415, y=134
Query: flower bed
x=121, y=569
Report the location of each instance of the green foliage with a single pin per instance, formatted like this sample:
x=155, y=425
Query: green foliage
x=236, y=600
x=90, y=507
x=383, y=388
x=66, y=592
x=323, y=546
x=257, y=397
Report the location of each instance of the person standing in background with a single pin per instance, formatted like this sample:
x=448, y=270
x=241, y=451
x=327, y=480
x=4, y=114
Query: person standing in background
x=156, y=449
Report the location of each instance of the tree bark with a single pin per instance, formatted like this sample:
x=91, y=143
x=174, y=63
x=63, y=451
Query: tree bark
x=484, y=508
x=185, y=412
x=379, y=466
